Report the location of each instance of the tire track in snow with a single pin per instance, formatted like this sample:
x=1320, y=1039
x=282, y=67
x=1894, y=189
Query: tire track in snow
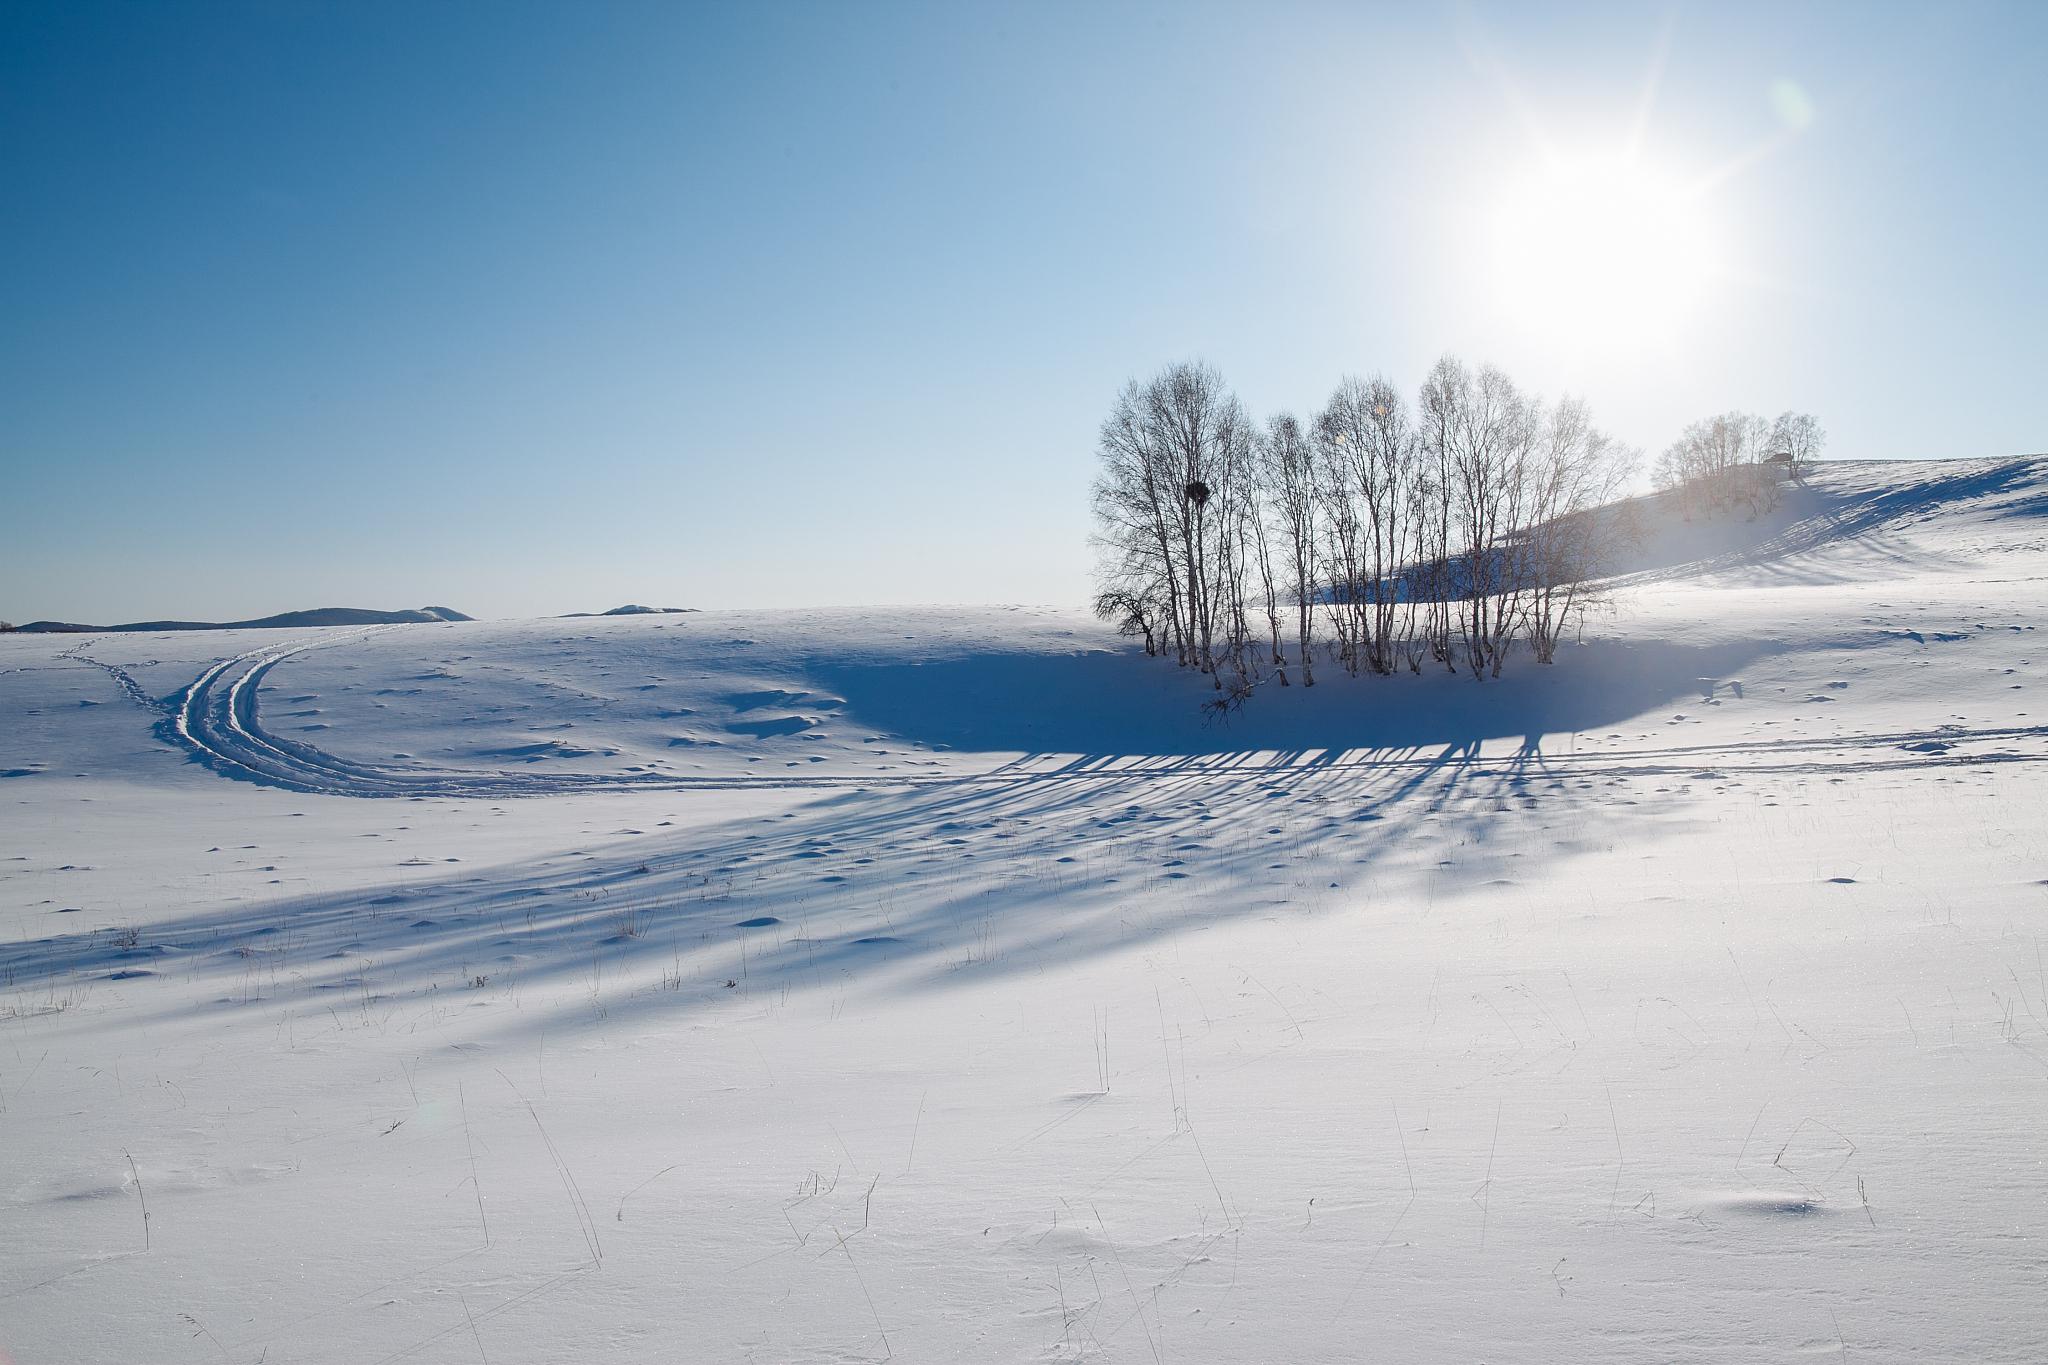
x=216, y=720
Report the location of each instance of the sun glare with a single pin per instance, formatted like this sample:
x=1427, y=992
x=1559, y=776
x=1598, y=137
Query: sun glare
x=1600, y=253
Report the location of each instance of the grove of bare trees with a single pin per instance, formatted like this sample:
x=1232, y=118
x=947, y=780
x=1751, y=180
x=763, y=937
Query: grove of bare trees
x=1738, y=461
x=1384, y=535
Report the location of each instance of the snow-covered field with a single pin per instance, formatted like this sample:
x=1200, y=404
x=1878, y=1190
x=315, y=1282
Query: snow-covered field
x=937, y=985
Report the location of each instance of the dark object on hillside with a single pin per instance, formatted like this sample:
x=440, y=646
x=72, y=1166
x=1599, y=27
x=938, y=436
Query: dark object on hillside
x=290, y=620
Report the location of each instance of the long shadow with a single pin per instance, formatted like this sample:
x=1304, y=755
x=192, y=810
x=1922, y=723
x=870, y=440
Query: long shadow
x=897, y=891
x=1131, y=834
x=900, y=891
x=1100, y=703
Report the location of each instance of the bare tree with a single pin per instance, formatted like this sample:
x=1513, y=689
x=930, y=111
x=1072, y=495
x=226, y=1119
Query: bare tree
x=1486, y=431
x=1207, y=440
x=1438, y=410
x=1342, y=556
x=1370, y=449
x=1425, y=579
x=1712, y=446
x=1133, y=604
x=1388, y=473
x=1445, y=531
x=1573, y=536
x=1719, y=463
x=1240, y=535
x=1175, y=471
x=1796, y=438
x=1135, y=493
x=1288, y=472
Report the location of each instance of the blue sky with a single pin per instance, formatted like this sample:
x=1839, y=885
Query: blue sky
x=525, y=309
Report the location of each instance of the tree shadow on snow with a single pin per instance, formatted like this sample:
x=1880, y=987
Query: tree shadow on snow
x=900, y=890
x=1104, y=704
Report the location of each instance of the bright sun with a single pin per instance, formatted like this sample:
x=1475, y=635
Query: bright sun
x=1602, y=253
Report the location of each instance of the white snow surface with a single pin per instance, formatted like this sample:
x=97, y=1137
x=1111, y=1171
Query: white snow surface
x=938, y=985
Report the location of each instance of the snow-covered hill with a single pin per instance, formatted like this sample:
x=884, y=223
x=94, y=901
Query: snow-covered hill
x=1849, y=520
x=290, y=620
x=939, y=984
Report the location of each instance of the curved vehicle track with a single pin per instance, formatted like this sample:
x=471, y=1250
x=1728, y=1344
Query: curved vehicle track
x=216, y=719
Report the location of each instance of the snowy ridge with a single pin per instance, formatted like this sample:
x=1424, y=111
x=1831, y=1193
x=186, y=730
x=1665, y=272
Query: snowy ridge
x=290, y=620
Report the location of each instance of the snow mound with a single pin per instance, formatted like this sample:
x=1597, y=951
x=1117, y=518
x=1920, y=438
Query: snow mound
x=630, y=610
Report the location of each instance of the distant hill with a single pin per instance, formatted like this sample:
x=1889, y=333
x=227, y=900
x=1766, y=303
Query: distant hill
x=631, y=610
x=290, y=620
